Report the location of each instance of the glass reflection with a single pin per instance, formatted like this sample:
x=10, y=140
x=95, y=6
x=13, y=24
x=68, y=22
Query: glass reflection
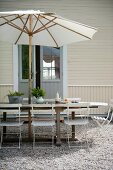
x=51, y=63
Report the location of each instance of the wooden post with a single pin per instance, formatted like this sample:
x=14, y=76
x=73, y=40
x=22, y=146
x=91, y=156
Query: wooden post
x=30, y=72
x=30, y=57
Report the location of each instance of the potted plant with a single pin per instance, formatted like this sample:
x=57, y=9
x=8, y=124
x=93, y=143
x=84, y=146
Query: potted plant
x=15, y=97
x=39, y=94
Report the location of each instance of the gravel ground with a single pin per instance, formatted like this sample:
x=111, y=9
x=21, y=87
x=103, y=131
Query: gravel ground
x=98, y=156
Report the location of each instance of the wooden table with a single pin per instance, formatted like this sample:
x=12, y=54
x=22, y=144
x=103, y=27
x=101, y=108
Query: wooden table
x=58, y=109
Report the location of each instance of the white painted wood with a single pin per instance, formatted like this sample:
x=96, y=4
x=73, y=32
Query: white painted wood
x=6, y=67
x=4, y=90
x=6, y=84
x=92, y=94
x=15, y=67
x=64, y=71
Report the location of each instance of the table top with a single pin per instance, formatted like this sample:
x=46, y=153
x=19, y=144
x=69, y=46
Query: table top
x=62, y=104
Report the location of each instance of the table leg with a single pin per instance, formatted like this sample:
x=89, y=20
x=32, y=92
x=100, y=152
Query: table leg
x=73, y=126
x=4, y=119
x=29, y=125
x=58, y=140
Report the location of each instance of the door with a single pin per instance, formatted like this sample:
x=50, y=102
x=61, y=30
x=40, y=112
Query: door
x=47, y=69
x=51, y=71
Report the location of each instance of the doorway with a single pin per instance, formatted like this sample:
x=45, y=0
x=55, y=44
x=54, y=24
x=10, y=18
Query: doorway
x=47, y=69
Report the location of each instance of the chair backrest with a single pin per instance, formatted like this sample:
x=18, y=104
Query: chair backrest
x=81, y=109
x=102, y=120
x=11, y=109
x=42, y=111
x=110, y=112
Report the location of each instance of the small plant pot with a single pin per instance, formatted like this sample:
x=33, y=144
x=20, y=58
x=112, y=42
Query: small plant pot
x=15, y=99
x=40, y=100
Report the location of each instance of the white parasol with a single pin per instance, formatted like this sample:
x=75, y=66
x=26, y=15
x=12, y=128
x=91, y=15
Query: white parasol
x=39, y=28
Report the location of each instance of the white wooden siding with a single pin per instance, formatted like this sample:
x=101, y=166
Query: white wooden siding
x=91, y=62
x=92, y=93
x=4, y=90
x=92, y=68
x=5, y=63
x=6, y=74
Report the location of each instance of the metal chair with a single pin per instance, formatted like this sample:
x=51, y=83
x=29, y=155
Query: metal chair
x=101, y=121
x=79, y=122
x=104, y=125
x=12, y=111
x=43, y=124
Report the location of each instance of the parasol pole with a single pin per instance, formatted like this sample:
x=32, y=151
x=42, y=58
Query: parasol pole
x=30, y=58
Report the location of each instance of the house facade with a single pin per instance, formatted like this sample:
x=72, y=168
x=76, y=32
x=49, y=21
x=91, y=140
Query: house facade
x=85, y=69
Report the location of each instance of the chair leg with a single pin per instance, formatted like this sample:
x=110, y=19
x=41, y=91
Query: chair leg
x=79, y=144
x=33, y=137
x=20, y=137
x=52, y=137
x=34, y=140
x=1, y=140
x=86, y=139
x=68, y=141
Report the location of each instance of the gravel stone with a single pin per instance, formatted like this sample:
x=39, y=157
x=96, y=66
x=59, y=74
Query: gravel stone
x=98, y=156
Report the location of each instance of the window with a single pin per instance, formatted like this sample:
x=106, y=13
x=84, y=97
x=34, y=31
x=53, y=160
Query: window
x=51, y=63
x=25, y=61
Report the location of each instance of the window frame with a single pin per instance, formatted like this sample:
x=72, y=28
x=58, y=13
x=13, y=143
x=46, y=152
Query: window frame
x=20, y=63
x=41, y=62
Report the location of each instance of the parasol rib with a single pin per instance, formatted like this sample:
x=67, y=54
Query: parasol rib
x=44, y=28
x=22, y=31
x=68, y=28
x=26, y=23
x=44, y=25
x=37, y=19
x=7, y=16
x=8, y=19
x=49, y=34
x=14, y=25
x=72, y=21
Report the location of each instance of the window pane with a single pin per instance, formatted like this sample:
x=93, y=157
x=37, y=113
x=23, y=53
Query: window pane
x=25, y=61
x=51, y=63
